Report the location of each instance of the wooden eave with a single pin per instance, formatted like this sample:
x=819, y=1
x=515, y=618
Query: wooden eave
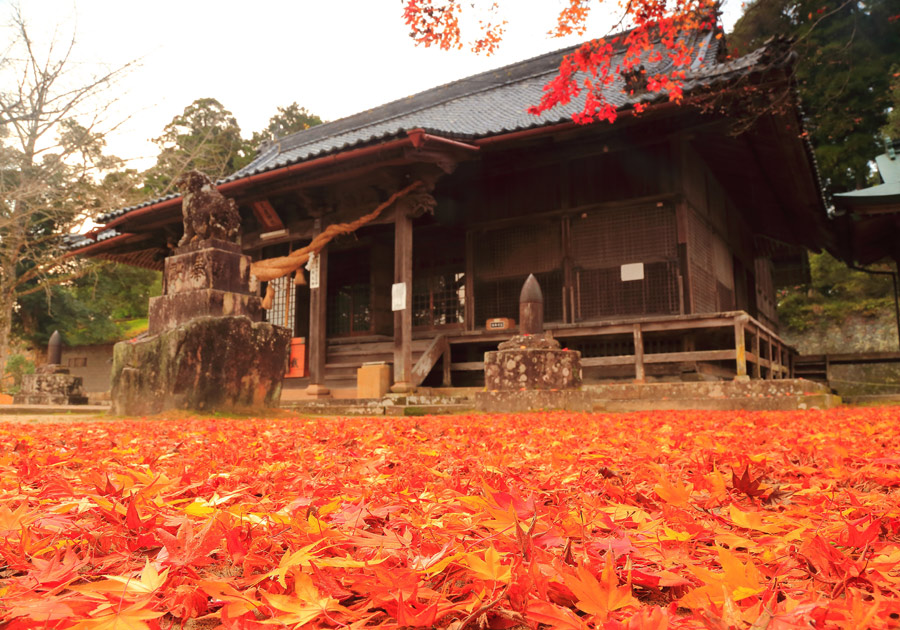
x=417, y=147
x=771, y=179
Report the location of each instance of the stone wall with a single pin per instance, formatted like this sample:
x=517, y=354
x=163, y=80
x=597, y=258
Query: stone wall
x=856, y=333
x=93, y=364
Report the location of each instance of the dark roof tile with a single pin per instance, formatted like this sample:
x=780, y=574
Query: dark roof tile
x=485, y=104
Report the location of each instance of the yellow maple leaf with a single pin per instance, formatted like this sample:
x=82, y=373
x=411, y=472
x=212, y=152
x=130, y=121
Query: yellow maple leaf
x=113, y=617
x=299, y=558
x=489, y=568
x=737, y=581
x=751, y=520
x=149, y=582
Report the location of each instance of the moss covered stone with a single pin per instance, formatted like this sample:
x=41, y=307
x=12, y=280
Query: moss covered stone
x=206, y=364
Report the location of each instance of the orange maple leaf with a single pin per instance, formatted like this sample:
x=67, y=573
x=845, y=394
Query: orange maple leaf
x=554, y=616
x=737, y=581
x=677, y=494
x=305, y=605
x=599, y=597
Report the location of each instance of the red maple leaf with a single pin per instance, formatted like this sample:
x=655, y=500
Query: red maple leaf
x=745, y=484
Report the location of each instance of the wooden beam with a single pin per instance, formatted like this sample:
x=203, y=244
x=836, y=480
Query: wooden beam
x=658, y=357
x=468, y=366
x=446, y=380
x=438, y=348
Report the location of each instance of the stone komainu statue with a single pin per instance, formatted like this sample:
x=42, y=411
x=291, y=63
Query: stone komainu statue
x=207, y=214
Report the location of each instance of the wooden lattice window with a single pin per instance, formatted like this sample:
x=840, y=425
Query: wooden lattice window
x=439, y=299
x=283, y=305
x=350, y=310
x=439, y=293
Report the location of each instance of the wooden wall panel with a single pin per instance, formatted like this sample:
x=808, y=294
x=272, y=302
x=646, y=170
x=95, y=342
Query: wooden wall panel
x=639, y=172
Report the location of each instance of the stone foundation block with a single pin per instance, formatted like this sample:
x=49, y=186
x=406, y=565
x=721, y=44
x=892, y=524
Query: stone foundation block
x=533, y=400
x=168, y=311
x=532, y=368
x=206, y=364
x=207, y=265
x=54, y=386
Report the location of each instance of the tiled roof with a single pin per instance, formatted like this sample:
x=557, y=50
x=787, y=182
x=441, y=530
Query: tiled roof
x=486, y=104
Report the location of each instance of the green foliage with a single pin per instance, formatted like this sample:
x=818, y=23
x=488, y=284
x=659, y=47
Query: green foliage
x=845, y=53
x=892, y=128
x=288, y=120
x=95, y=308
x=207, y=137
x=16, y=367
x=835, y=292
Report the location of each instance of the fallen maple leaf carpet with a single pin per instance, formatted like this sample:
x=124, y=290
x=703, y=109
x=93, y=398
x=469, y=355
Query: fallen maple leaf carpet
x=648, y=520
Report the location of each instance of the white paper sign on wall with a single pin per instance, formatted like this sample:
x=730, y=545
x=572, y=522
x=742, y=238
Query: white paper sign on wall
x=313, y=267
x=632, y=271
x=398, y=296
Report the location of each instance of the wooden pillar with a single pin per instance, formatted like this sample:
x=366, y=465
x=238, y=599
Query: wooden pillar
x=403, y=249
x=469, y=315
x=740, y=349
x=757, y=368
x=318, y=344
x=685, y=284
x=638, y=355
x=445, y=364
x=771, y=372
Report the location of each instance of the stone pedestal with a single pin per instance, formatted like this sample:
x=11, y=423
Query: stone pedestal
x=207, y=347
x=531, y=362
x=204, y=279
x=51, y=385
x=531, y=372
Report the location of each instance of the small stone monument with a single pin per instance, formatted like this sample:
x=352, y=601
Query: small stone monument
x=207, y=347
x=51, y=384
x=531, y=370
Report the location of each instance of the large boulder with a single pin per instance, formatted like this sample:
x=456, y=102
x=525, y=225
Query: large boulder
x=207, y=364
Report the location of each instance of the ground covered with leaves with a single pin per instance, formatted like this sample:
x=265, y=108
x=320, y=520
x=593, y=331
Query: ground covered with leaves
x=652, y=520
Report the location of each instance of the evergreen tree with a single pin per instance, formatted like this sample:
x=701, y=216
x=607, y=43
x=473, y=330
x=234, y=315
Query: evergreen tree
x=843, y=74
x=206, y=137
x=288, y=120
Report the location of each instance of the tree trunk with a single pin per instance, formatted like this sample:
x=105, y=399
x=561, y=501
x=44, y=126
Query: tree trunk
x=7, y=303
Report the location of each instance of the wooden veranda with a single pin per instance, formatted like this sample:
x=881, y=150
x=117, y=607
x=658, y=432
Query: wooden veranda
x=730, y=344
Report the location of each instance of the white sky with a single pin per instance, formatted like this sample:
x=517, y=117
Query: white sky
x=334, y=57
